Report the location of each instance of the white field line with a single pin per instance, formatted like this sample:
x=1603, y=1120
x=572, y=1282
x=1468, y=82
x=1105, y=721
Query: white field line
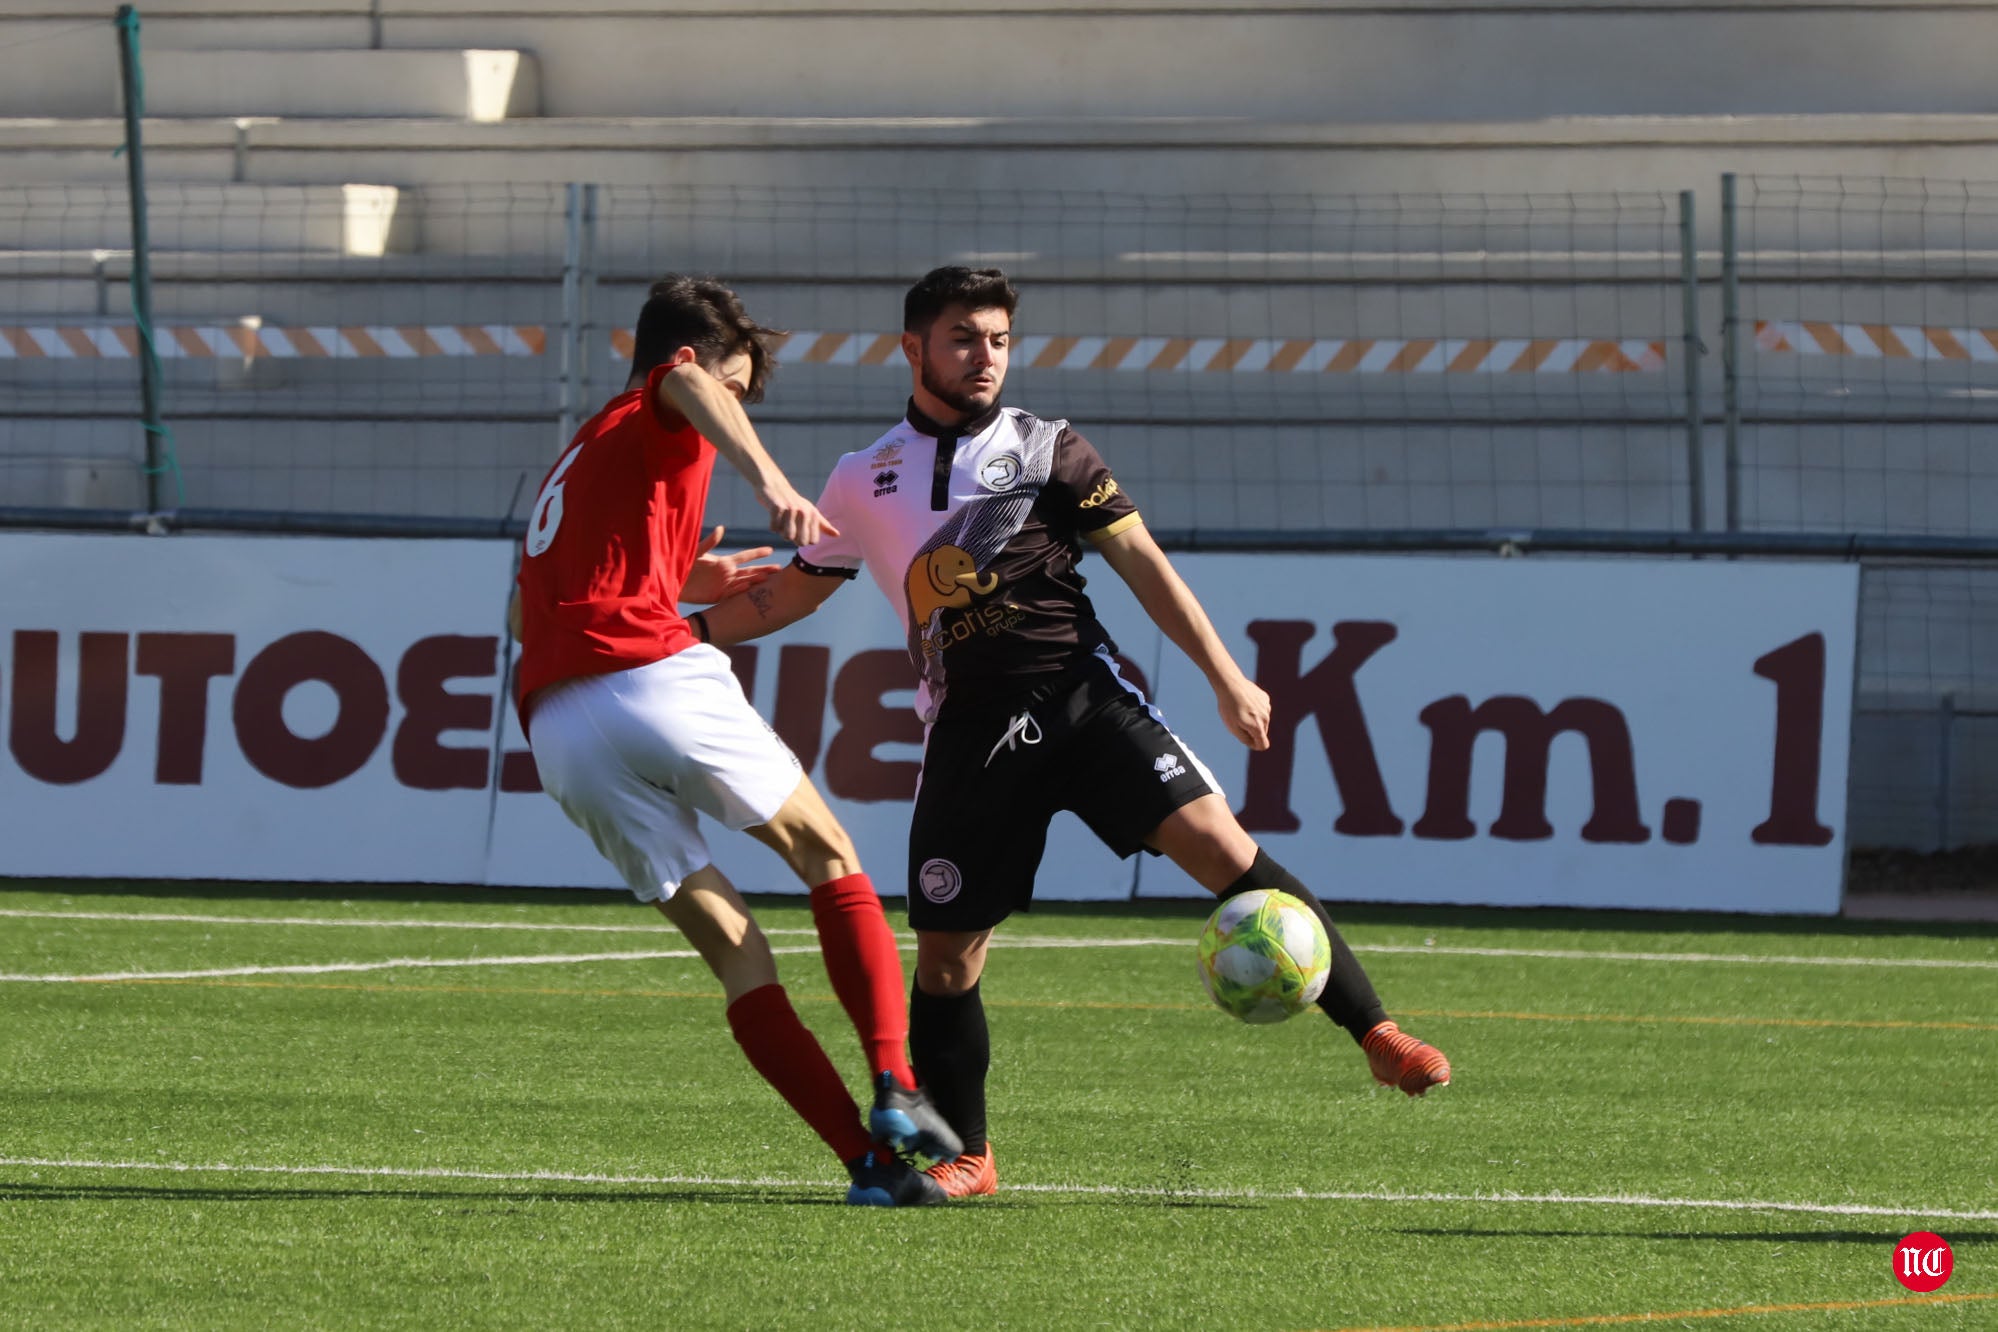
x=519, y=960
x=1078, y=1190
x=160, y=917
x=648, y=929
x=1588, y=955
x=1019, y=941
x=386, y=964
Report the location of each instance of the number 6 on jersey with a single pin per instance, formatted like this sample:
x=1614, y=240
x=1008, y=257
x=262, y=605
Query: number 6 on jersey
x=547, y=514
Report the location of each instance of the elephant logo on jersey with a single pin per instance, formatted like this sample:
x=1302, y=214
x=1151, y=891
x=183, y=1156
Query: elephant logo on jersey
x=946, y=576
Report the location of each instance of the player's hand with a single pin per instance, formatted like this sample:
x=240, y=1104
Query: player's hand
x=718, y=577
x=794, y=517
x=1245, y=710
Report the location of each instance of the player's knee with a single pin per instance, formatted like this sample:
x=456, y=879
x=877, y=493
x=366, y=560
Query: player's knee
x=811, y=840
x=1204, y=839
x=830, y=841
x=948, y=965
x=822, y=852
x=945, y=980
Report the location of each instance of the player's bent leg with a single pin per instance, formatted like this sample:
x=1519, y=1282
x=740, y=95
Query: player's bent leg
x=864, y=965
x=716, y=921
x=1204, y=838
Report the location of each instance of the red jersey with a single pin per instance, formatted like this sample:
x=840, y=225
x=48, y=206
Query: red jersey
x=610, y=543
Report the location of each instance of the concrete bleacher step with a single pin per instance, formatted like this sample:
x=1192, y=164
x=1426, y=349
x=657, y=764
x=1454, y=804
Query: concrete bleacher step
x=354, y=220
x=1337, y=61
x=474, y=85
x=1055, y=161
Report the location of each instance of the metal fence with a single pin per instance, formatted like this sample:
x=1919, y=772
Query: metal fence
x=1284, y=363
x=1860, y=332
x=1794, y=365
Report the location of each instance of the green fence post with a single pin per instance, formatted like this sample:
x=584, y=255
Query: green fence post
x=1731, y=353
x=127, y=22
x=1689, y=281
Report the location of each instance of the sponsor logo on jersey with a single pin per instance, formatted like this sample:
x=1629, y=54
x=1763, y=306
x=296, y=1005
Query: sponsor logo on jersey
x=1001, y=472
x=887, y=455
x=884, y=482
x=940, y=880
x=945, y=577
x=1168, y=766
x=946, y=580
x=991, y=619
x=1101, y=495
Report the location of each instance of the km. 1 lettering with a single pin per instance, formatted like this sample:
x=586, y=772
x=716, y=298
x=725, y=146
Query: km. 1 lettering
x=1327, y=695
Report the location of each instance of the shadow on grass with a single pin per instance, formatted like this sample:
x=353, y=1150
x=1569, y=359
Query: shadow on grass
x=1885, y=1236
x=731, y=1195
x=725, y=1194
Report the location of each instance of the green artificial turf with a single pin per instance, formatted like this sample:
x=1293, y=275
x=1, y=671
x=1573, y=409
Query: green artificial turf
x=579, y=1144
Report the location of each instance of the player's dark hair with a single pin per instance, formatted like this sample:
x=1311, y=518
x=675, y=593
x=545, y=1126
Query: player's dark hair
x=705, y=315
x=941, y=288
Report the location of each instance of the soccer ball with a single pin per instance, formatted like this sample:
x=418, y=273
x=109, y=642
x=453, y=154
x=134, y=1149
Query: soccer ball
x=1264, y=956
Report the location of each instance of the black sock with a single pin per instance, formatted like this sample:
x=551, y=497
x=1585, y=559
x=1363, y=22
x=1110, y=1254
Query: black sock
x=951, y=1048
x=1349, y=997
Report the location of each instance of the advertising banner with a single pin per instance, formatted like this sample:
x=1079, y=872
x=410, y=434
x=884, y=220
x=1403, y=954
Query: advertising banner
x=1609, y=733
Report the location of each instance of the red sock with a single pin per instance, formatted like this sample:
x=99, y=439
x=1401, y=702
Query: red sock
x=866, y=970
x=790, y=1059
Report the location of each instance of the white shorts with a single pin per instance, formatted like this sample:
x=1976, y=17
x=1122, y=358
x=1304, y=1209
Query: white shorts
x=632, y=755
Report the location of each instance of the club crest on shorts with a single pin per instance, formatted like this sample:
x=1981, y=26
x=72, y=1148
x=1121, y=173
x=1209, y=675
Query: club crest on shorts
x=1168, y=766
x=939, y=879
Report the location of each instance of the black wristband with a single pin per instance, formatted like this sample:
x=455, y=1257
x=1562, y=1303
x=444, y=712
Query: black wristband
x=699, y=624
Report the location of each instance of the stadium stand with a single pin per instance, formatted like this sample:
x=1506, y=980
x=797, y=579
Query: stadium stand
x=363, y=219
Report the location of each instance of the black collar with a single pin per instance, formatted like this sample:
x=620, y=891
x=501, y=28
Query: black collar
x=936, y=430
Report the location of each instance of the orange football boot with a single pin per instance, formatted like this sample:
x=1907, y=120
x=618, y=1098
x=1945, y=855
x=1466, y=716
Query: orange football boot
x=1399, y=1060
x=968, y=1175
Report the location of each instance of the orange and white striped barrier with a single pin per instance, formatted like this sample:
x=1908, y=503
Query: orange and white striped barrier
x=251, y=341
x=1256, y=355
x=1364, y=356
x=1889, y=342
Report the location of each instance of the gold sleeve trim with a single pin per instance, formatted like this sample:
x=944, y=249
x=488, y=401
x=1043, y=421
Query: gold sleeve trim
x=1124, y=524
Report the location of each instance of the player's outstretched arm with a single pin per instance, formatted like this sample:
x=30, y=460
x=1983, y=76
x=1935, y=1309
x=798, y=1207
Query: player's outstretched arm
x=711, y=409
x=1244, y=707
x=764, y=609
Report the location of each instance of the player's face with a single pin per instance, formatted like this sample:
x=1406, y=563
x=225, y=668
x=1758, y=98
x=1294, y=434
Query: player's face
x=964, y=357
x=733, y=374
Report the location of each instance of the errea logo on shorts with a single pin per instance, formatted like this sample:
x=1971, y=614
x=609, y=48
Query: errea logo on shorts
x=1168, y=766
x=939, y=880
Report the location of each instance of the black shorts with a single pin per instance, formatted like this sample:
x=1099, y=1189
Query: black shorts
x=991, y=784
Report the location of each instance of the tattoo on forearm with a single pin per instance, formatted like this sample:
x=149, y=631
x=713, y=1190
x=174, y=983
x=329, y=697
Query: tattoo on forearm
x=760, y=598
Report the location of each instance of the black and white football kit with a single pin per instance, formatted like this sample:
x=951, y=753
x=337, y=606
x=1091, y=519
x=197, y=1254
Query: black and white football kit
x=974, y=532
